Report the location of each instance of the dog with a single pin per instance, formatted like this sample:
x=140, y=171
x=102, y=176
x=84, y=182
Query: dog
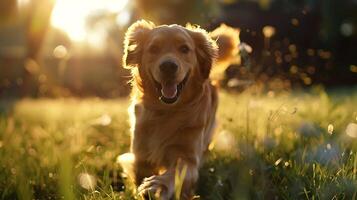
x=173, y=105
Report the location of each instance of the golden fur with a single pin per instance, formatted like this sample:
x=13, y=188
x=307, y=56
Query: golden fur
x=169, y=136
x=227, y=39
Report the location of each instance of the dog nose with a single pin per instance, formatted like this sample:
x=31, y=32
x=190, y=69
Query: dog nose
x=168, y=68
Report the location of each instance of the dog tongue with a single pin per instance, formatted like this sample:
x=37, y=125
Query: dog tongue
x=169, y=90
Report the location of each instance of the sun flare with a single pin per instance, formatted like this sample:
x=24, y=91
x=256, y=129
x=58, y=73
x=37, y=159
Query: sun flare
x=70, y=15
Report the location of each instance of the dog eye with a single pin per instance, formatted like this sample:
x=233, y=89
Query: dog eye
x=154, y=49
x=184, y=49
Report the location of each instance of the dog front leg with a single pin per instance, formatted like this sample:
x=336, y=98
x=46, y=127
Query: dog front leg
x=142, y=169
x=182, y=175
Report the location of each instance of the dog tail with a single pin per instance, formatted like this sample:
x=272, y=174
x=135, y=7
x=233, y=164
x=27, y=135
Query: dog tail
x=227, y=39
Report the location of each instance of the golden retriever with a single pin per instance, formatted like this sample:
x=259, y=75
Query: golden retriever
x=173, y=104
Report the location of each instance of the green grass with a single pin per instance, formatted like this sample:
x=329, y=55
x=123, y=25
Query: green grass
x=266, y=147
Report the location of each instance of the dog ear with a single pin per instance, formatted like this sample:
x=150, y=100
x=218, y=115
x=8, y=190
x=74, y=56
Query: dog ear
x=206, y=49
x=133, y=42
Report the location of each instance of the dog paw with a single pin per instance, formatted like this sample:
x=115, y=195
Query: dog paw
x=155, y=187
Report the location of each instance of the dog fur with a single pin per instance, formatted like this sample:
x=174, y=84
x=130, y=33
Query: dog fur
x=169, y=136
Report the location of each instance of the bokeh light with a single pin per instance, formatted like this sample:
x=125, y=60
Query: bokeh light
x=60, y=52
x=351, y=130
x=268, y=31
x=347, y=29
x=330, y=129
x=87, y=181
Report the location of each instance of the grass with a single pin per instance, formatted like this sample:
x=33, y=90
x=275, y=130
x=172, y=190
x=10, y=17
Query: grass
x=275, y=146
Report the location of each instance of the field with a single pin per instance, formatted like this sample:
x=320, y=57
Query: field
x=300, y=145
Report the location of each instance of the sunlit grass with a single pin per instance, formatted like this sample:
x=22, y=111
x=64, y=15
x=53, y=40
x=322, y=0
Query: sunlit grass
x=285, y=146
x=50, y=142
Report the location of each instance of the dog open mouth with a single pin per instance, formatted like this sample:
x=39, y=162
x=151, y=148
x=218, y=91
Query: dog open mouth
x=170, y=92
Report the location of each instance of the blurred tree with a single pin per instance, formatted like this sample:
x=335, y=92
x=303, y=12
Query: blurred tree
x=24, y=25
x=37, y=21
x=7, y=9
x=37, y=24
x=178, y=11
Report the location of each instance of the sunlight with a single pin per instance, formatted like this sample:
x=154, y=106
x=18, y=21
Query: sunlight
x=71, y=15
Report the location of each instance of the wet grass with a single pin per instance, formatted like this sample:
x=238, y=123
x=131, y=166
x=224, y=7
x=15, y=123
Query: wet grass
x=268, y=146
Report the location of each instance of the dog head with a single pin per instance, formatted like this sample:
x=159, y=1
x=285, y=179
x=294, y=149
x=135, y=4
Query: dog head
x=168, y=57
